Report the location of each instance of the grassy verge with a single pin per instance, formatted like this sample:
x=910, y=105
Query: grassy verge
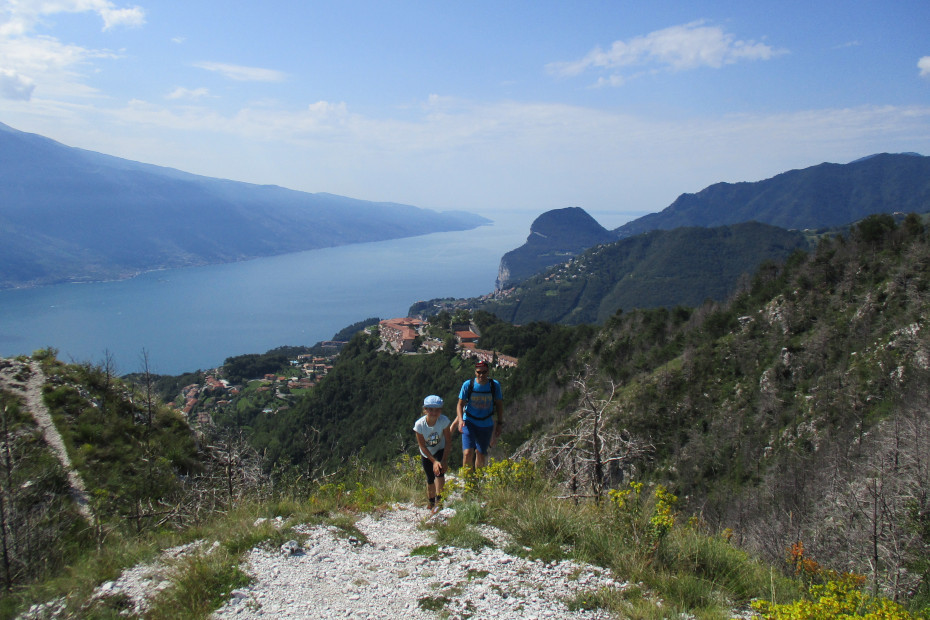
x=670, y=565
x=201, y=581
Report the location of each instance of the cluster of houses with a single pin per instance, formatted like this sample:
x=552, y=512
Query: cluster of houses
x=222, y=392
x=403, y=335
x=313, y=364
x=408, y=335
x=194, y=393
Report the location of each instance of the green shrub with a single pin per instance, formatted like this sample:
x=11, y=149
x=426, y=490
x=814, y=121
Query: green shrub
x=835, y=599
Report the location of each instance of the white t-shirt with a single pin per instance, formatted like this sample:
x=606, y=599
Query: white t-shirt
x=434, y=435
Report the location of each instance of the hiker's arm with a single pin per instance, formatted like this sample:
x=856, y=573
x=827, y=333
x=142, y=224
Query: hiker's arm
x=447, y=433
x=459, y=410
x=499, y=410
x=421, y=441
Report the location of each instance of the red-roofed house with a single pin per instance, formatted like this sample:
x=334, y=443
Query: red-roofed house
x=401, y=333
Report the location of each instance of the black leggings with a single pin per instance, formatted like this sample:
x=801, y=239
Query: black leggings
x=428, y=467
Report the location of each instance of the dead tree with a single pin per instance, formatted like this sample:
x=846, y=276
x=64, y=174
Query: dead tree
x=148, y=387
x=591, y=449
x=240, y=464
x=5, y=505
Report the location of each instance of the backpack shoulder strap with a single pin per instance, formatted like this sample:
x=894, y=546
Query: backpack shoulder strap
x=495, y=388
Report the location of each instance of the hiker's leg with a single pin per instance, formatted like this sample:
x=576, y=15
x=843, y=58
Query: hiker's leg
x=430, y=480
x=468, y=445
x=482, y=437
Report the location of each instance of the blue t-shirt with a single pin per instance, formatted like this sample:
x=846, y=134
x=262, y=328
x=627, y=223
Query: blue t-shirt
x=479, y=409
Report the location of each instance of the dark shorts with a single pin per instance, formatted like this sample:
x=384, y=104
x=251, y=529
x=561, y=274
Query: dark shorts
x=476, y=437
x=428, y=467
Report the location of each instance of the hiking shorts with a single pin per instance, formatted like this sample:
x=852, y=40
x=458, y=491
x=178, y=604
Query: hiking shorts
x=428, y=467
x=476, y=437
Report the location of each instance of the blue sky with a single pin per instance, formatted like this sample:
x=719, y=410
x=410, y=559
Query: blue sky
x=617, y=107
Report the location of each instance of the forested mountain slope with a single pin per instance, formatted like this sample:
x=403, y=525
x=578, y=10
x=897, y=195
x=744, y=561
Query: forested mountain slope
x=132, y=463
x=662, y=268
x=796, y=411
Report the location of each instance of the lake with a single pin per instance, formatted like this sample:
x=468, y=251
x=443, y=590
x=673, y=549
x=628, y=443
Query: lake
x=194, y=318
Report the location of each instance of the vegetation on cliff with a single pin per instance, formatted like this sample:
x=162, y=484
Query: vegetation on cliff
x=682, y=267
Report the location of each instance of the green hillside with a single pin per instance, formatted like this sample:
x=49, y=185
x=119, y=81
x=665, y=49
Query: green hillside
x=690, y=450
x=685, y=266
x=773, y=414
x=796, y=411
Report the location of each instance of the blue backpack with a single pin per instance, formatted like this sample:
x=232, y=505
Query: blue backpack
x=468, y=391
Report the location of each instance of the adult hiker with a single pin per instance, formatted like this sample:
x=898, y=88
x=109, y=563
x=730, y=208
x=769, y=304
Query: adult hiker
x=433, y=435
x=481, y=400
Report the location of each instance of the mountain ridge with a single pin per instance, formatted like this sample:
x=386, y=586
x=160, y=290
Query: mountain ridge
x=825, y=195
x=71, y=215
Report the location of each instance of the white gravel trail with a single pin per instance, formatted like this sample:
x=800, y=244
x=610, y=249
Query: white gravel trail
x=337, y=576
x=31, y=393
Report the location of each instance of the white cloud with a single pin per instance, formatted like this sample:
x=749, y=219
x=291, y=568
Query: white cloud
x=23, y=15
x=243, y=74
x=41, y=62
x=325, y=110
x=51, y=66
x=15, y=86
x=677, y=48
x=120, y=17
x=455, y=153
x=187, y=93
x=924, y=65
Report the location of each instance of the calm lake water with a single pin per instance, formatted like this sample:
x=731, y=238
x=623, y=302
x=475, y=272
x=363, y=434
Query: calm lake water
x=189, y=319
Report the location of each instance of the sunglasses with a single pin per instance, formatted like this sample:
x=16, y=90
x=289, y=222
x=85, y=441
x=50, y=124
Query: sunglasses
x=481, y=372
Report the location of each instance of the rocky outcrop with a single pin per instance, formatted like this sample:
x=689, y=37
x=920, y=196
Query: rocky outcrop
x=555, y=237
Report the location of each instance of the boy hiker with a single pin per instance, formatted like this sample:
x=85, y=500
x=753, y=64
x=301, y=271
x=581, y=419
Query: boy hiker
x=479, y=400
x=433, y=434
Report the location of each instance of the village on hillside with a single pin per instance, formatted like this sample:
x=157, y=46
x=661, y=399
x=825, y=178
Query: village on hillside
x=275, y=391
x=408, y=335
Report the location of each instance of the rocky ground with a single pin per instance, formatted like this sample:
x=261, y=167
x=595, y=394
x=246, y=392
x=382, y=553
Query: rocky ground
x=384, y=576
x=392, y=569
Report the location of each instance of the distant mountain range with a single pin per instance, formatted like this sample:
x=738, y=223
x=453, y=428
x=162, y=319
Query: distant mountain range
x=821, y=196
x=572, y=270
x=71, y=215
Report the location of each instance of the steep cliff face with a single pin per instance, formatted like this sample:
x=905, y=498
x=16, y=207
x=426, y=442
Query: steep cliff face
x=503, y=274
x=555, y=236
